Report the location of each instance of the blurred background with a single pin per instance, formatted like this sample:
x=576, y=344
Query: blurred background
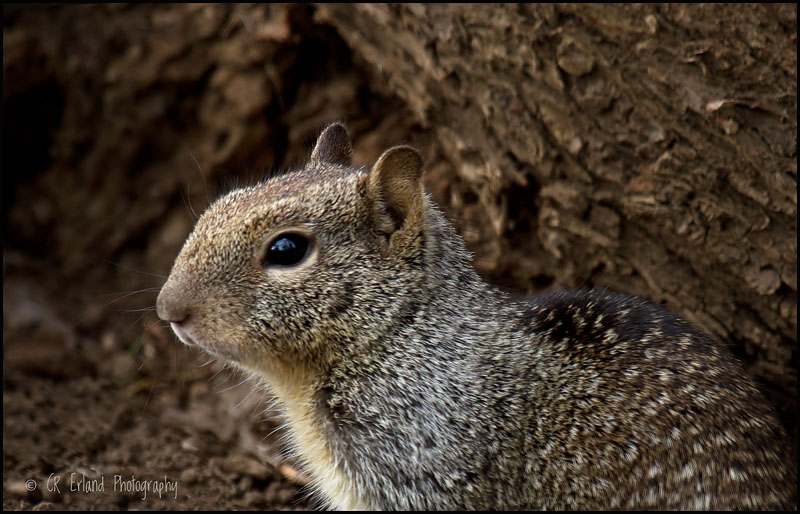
x=651, y=149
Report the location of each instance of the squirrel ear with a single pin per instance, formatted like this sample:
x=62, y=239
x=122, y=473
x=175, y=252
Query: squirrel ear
x=333, y=145
x=394, y=182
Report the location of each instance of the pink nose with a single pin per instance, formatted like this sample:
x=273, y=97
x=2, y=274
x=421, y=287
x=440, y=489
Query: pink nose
x=171, y=305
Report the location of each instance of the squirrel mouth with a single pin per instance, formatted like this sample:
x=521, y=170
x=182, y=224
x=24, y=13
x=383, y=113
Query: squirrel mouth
x=182, y=335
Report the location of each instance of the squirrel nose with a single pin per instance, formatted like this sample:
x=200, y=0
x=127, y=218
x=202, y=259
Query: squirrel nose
x=171, y=305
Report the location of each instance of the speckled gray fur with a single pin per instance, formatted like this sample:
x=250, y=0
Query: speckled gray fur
x=429, y=389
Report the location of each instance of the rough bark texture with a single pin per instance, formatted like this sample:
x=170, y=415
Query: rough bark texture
x=647, y=148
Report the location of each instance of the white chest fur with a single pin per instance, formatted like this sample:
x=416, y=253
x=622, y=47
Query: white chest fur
x=295, y=392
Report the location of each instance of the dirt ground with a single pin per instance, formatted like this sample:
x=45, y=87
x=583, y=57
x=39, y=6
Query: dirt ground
x=120, y=124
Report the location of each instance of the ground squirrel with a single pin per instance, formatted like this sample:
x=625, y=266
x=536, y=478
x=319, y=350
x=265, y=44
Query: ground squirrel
x=409, y=383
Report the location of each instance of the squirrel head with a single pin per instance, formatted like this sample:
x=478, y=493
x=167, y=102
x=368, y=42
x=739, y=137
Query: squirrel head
x=290, y=268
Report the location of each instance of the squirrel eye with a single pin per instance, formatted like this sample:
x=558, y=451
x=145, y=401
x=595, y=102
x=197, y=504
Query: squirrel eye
x=286, y=250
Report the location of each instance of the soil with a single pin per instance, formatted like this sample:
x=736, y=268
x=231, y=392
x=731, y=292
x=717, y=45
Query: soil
x=122, y=122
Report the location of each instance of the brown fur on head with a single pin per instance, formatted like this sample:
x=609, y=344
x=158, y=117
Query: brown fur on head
x=365, y=233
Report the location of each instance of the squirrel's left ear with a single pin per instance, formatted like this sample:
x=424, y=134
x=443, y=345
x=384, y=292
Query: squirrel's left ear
x=333, y=146
x=395, y=189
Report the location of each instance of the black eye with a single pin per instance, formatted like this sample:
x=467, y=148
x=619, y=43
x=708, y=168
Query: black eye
x=286, y=250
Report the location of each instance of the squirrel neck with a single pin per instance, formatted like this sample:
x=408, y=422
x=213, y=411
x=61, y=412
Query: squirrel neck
x=447, y=302
x=417, y=388
x=448, y=305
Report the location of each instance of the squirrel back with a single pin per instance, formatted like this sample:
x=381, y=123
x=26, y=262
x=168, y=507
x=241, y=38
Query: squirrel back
x=408, y=383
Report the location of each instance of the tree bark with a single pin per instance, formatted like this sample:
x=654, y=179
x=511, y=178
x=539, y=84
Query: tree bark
x=648, y=148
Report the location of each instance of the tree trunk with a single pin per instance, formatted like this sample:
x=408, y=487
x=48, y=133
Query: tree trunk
x=648, y=148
